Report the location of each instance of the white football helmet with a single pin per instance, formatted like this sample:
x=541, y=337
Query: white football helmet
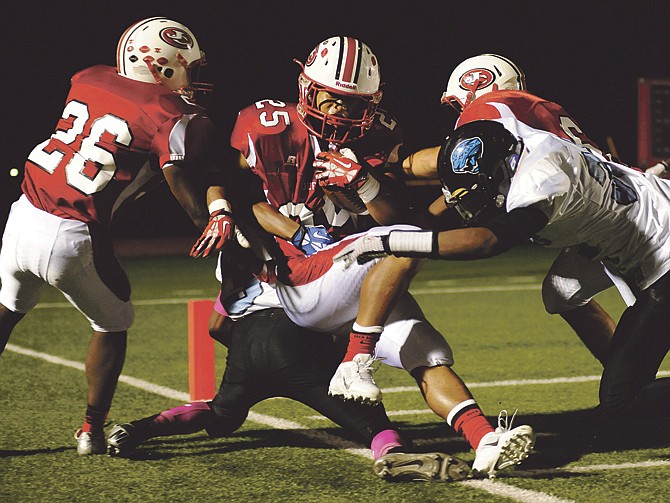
x=479, y=75
x=159, y=50
x=345, y=67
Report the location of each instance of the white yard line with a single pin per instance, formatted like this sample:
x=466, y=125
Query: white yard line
x=414, y=291
x=520, y=382
x=515, y=493
x=474, y=289
x=497, y=487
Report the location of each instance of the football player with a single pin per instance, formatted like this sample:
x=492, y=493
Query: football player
x=489, y=86
x=322, y=162
x=509, y=183
x=270, y=356
x=121, y=128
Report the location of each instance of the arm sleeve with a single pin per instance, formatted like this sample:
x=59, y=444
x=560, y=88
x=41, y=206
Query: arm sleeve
x=516, y=226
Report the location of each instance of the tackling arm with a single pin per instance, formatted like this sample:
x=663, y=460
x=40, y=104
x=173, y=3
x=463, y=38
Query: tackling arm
x=422, y=164
x=499, y=235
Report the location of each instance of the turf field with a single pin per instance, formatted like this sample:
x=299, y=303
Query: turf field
x=507, y=348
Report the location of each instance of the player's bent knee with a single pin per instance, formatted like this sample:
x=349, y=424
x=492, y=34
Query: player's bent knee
x=425, y=347
x=561, y=294
x=117, y=319
x=224, y=422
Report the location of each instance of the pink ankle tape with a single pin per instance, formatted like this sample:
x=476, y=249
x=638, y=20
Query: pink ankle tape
x=384, y=441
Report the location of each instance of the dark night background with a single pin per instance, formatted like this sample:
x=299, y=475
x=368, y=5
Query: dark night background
x=587, y=56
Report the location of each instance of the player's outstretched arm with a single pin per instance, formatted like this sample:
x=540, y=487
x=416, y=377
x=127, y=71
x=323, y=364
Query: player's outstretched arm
x=458, y=244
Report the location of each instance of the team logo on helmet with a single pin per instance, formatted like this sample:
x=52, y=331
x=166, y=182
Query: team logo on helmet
x=478, y=78
x=176, y=37
x=312, y=57
x=465, y=156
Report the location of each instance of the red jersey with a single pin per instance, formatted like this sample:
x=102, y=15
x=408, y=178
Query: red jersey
x=280, y=150
x=529, y=109
x=111, y=128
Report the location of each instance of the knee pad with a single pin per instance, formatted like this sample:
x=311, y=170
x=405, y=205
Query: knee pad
x=560, y=294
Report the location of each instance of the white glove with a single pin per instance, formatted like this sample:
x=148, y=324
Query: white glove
x=363, y=250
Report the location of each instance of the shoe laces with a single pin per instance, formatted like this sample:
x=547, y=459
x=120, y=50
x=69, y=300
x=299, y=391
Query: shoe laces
x=504, y=421
x=365, y=369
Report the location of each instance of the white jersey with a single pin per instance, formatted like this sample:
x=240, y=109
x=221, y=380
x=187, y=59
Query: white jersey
x=621, y=213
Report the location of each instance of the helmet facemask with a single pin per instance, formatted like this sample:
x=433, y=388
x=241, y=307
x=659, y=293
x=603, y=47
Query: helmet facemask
x=483, y=200
x=330, y=126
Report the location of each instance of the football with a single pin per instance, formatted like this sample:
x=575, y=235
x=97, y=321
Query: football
x=346, y=198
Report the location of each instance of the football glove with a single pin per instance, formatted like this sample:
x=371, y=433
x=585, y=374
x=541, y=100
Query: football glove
x=334, y=168
x=363, y=250
x=311, y=238
x=220, y=229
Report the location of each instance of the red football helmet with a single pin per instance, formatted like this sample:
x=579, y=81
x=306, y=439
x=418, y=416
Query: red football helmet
x=347, y=69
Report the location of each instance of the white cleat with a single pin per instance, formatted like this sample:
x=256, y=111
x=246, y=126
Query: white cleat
x=353, y=381
x=503, y=448
x=88, y=443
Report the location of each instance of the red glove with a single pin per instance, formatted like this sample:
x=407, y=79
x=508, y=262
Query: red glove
x=334, y=168
x=220, y=229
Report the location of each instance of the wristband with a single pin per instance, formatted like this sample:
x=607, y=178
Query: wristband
x=413, y=243
x=219, y=204
x=369, y=190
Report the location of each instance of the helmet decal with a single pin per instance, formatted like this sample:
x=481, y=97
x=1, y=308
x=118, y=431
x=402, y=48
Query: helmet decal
x=160, y=51
x=479, y=75
x=477, y=78
x=312, y=56
x=349, y=61
x=465, y=156
x=176, y=37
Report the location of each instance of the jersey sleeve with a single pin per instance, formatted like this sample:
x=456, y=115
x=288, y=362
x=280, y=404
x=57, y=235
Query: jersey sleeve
x=542, y=185
x=185, y=139
x=239, y=138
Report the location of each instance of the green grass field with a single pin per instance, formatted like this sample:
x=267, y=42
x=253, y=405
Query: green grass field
x=513, y=354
